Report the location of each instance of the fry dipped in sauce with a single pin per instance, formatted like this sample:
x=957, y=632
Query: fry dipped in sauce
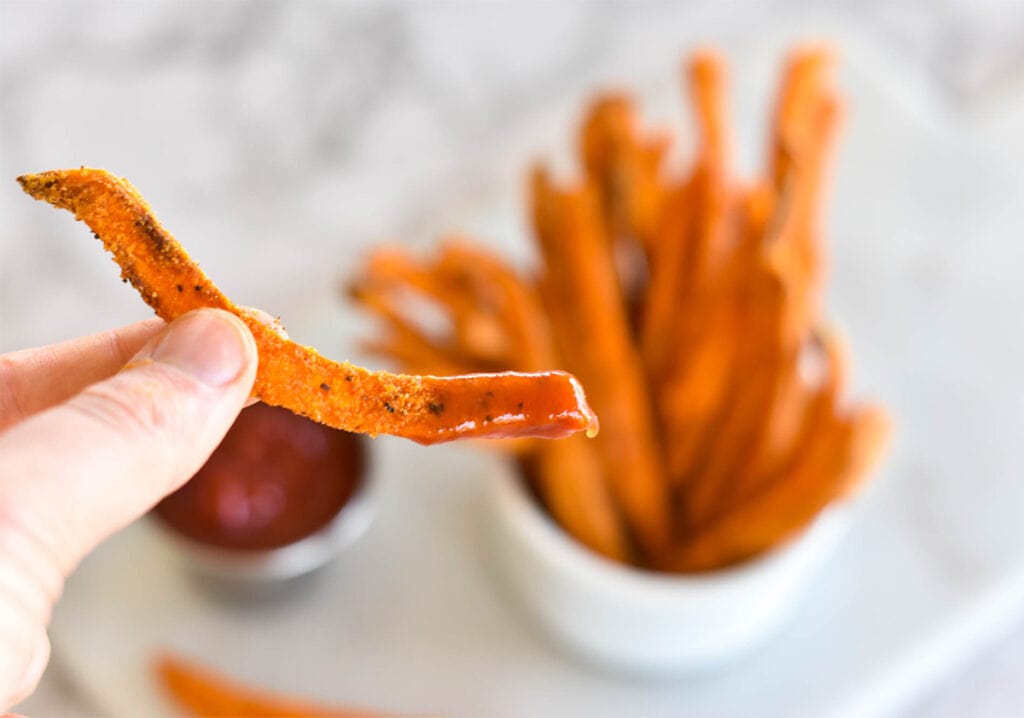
x=425, y=409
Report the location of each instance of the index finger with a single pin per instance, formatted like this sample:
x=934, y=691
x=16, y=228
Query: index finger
x=32, y=380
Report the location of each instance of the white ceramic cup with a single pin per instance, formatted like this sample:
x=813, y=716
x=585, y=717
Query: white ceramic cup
x=642, y=622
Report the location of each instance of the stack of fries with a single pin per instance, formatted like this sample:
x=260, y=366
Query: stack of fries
x=688, y=303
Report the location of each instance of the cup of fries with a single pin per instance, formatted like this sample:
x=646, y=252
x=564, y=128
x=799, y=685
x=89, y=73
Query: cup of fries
x=688, y=303
x=642, y=622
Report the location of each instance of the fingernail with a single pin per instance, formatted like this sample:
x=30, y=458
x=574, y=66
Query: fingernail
x=208, y=344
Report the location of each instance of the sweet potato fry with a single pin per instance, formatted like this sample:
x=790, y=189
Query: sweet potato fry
x=707, y=87
x=717, y=443
x=820, y=413
x=805, y=392
x=414, y=357
x=802, y=81
x=583, y=299
x=424, y=409
x=463, y=281
x=607, y=129
x=569, y=472
x=795, y=252
x=405, y=338
x=668, y=287
x=493, y=318
x=692, y=396
x=843, y=449
x=625, y=167
x=701, y=383
x=571, y=481
x=787, y=401
x=692, y=246
x=501, y=308
x=751, y=378
x=202, y=693
x=789, y=260
x=573, y=488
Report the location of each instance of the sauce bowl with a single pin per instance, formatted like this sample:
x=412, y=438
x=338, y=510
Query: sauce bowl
x=279, y=498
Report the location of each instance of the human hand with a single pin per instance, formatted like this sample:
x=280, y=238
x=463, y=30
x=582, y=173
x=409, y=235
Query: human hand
x=89, y=442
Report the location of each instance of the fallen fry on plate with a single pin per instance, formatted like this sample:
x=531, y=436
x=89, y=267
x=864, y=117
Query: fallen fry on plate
x=426, y=409
x=200, y=692
x=719, y=384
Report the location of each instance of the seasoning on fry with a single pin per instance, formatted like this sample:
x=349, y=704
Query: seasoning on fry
x=547, y=404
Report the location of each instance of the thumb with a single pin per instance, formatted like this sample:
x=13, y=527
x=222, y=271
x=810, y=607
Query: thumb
x=89, y=466
x=74, y=474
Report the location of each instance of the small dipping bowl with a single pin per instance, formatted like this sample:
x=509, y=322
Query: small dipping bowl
x=280, y=497
x=641, y=622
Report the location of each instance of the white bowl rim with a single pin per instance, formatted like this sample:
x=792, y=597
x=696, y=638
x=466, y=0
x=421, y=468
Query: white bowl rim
x=558, y=547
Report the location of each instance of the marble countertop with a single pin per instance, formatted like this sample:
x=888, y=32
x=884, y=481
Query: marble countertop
x=328, y=127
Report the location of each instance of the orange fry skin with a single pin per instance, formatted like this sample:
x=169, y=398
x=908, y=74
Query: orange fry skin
x=846, y=445
x=706, y=72
x=465, y=281
x=202, y=693
x=576, y=494
x=805, y=72
x=798, y=404
x=624, y=165
x=584, y=300
x=422, y=408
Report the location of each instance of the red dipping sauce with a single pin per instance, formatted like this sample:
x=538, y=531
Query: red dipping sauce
x=276, y=478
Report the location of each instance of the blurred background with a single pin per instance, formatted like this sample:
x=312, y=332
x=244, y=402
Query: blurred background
x=279, y=140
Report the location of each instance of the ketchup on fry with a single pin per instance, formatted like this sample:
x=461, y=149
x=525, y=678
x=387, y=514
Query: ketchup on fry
x=276, y=478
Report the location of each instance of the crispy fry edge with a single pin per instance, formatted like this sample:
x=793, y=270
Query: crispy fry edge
x=422, y=408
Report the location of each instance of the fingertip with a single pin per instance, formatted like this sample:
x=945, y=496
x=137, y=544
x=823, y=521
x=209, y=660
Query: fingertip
x=211, y=345
x=266, y=319
x=250, y=352
x=32, y=673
